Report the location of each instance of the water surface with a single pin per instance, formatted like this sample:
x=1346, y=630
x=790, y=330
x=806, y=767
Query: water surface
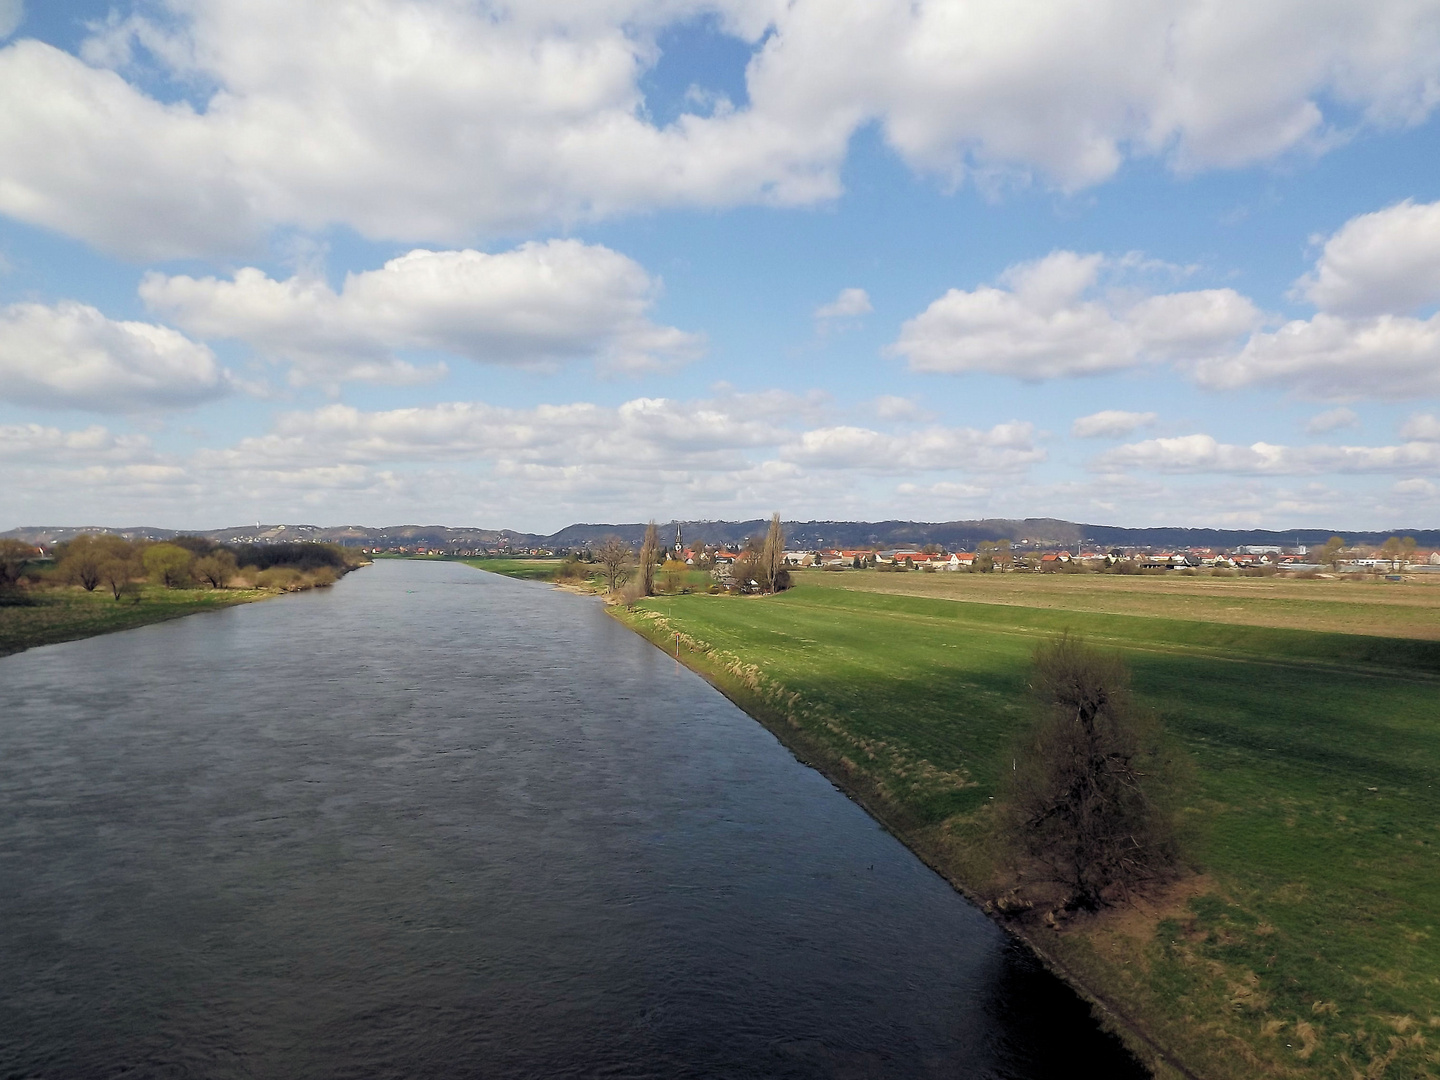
x=436, y=823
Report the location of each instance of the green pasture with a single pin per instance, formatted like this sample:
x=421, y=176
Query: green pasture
x=52, y=615
x=547, y=569
x=524, y=569
x=1309, y=941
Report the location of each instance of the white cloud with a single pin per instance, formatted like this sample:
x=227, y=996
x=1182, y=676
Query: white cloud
x=71, y=356
x=901, y=409
x=1004, y=447
x=1046, y=326
x=1336, y=358
x=437, y=121
x=643, y=434
x=1332, y=420
x=1421, y=426
x=36, y=443
x=1204, y=454
x=1110, y=424
x=1387, y=262
x=850, y=303
x=1416, y=487
x=727, y=456
x=12, y=14
x=538, y=304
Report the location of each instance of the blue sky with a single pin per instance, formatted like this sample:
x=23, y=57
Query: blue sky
x=449, y=261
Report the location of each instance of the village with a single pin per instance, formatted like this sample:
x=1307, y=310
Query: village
x=1396, y=555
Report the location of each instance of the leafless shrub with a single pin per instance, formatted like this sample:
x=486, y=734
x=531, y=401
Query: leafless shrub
x=1089, y=800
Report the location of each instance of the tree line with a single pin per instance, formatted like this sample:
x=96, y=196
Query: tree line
x=102, y=560
x=632, y=576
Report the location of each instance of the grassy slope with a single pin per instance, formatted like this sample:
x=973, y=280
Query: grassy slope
x=1312, y=948
x=67, y=614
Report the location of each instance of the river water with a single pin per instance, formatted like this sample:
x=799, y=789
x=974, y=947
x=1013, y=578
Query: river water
x=437, y=823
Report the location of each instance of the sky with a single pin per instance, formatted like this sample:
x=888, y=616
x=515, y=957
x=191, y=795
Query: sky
x=522, y=265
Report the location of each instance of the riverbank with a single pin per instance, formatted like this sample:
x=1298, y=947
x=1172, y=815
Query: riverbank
x=50, y=616
x=1302, y=946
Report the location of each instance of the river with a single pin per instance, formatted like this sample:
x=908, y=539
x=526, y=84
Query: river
x=437, y=823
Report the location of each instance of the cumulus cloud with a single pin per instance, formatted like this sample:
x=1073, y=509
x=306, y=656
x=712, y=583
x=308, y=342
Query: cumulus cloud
x=1110, y=424
x=1003, y=447
x=1366, y=341
x=12, y=14
x=720, y=434
x=1387, y=262
x=1050, y=319
x=1204, y=454
x=1332, y=420
x=37, y=443
x=1416, y=487
x=539, y=304
x=1046, y=323
x=1337, y=358
x=71, y=356
x=426, y=120
x=849, y=304
x=893, y=407
x=1421, y=426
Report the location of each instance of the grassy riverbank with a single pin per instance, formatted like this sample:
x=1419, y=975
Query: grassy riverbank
x=1308, y=943
x=54, y=615
x=524, y=569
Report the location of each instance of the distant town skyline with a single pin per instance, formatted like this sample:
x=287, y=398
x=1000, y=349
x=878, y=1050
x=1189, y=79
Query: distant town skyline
x=414, y=260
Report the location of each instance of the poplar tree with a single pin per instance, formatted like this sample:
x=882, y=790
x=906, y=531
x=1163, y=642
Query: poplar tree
x=772, y=554
x=649, y=556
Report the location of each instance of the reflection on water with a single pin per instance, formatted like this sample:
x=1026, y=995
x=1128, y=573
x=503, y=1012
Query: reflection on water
x=434, y=823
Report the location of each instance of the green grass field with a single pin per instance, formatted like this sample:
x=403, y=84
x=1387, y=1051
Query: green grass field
x=547, y=569
x=1307, y=944
x=524, y=569
x=1352, y=605
x=67, y=614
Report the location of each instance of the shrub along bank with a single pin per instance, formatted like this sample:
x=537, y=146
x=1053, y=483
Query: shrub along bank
x=1304, y=940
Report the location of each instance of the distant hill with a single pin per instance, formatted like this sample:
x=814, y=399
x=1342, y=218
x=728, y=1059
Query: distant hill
x=1039, y=532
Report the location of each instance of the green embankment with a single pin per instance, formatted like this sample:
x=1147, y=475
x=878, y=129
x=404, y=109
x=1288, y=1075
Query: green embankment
x=1309, y=942
x=55, y=615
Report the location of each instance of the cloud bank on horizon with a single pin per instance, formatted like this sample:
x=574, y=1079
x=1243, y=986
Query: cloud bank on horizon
x=527, y=264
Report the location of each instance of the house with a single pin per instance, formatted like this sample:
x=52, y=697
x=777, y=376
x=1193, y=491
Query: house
x=900, y=555
x=798, y=558
x=958, y=560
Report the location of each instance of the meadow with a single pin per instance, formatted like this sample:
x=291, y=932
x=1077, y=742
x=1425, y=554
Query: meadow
x=1304, y=941
x=54, y=615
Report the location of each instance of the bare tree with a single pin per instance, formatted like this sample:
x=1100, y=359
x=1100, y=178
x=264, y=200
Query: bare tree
x=1089, y=782
x=649, y=556
x=614, y=557
x=772, y=554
